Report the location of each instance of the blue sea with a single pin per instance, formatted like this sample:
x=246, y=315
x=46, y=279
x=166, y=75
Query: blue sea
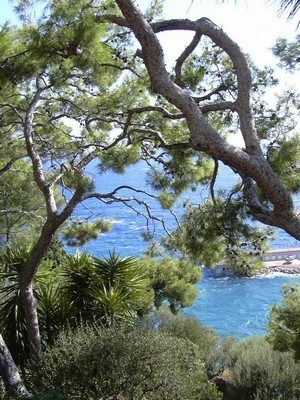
x=233, y=306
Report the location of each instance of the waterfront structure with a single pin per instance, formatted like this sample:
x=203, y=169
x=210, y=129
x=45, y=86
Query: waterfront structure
x=284, y=260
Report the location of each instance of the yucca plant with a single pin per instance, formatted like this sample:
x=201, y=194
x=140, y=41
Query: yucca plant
x=105, y=290
x=12, y=320
x=83, y=289
x=54, y=310
x=78, y=273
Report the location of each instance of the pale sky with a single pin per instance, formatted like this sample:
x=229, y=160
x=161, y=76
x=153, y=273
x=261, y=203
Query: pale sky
x=253, y=24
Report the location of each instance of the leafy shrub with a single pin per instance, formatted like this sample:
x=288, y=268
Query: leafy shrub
x=52, y=394
x=259, y=372
x=284, y=321
x=188, y=327
x=130, y=363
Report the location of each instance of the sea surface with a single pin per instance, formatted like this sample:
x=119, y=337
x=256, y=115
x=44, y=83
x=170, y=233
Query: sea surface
x=233, y=306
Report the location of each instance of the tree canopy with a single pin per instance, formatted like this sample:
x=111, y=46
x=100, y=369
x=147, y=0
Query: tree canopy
x=88, y=83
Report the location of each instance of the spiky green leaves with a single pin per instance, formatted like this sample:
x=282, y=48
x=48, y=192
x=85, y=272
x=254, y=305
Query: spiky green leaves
x=107, y=290
x=12, y=318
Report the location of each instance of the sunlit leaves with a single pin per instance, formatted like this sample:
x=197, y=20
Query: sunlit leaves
x=105, y=289
x=117, y=158
x=73, y=179
x=155, y=10
x=166, y=199
x=178, y=170
x=79, y=232
x=276, y=123
x=54, y=309
x=172, y=280
x=194, y=73
x=209, y=73
x=284, y=159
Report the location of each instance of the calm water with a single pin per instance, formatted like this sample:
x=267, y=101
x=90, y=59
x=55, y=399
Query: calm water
x=236, y=306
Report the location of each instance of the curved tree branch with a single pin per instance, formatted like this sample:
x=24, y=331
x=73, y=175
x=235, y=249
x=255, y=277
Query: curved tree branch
x=250, y=163
x=184, y=55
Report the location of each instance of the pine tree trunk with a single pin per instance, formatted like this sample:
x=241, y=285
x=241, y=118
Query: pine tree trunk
x=10, y=374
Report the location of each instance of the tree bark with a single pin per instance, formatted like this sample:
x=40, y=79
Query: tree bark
x=10, y=374
x=52, y=224
x=30, y=269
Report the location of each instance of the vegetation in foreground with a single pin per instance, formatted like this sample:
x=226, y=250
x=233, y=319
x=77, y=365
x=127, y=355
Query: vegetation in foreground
x=163, y=357
x=78, y=63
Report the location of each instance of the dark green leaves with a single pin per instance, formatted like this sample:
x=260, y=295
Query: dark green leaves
x=284, y=325
x=220, y=230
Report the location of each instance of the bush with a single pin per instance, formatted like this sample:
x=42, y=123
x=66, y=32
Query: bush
x=130, y=364
x=52, y=394
x=188, y=327
x=259, y=372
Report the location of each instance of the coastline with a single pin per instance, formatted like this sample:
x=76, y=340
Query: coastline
x=286, y=267
x=280, y=260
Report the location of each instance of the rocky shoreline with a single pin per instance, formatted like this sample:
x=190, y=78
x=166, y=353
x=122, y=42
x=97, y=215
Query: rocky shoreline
x=291, y=268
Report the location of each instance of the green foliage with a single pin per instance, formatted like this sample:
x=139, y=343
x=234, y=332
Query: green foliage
x=155, y=10
x=172, y=281
x=73, y=179
x=124, y=363
x=106, y=290
x=56, y=252
x=12, y=319
x=118, y=158
x=210, y=75
x=180, y=169
x=288, y=53
x=166, y=199
x=259, y=372
x=218, y=230
x=52, y=394
x=82, y=84
x=80, y=289
x=97, y=103
x=284, y=161
x=55, y=311
x=79, y=232
x=20, y=200
x=284, y=321
x=187, y=327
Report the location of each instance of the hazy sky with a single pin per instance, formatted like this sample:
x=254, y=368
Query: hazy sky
x=253, y=24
